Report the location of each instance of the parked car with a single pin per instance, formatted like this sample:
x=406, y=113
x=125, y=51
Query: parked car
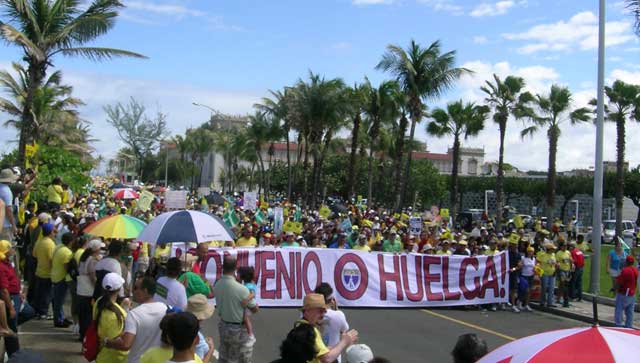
x=468, y=217
x=609, y=231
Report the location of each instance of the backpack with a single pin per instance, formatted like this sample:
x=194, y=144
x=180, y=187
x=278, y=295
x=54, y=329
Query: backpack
x=90, y=343
x=72, y=269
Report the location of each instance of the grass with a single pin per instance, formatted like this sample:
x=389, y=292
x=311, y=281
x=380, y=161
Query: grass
x=605, y=280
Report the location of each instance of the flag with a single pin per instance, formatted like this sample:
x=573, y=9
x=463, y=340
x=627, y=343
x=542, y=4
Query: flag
x=260, y=218
x=204, y=206
x=230, y=218
x=298, y=215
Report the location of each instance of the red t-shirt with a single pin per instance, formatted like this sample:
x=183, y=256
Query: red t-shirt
x=578, y=257
x=8, y=278
x=627, y=280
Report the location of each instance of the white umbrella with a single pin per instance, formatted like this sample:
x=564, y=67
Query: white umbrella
x=185, y=226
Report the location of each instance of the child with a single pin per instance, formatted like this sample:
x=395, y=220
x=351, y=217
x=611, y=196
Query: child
x=246, y=274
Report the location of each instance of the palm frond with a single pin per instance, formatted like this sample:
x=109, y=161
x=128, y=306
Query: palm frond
x=98, y=54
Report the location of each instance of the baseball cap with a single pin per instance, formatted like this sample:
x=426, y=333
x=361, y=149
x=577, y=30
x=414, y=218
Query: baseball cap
x=95, y=244
x=47, y=228
x=359, y=353
x=630, y=259
x=112, y=281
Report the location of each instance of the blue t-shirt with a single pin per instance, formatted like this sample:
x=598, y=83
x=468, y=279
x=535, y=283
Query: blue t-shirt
x=616, y=261
x=7, y=197
x=251, y=286
x=202, y=348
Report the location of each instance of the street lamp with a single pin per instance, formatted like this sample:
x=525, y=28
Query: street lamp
x=486, y=201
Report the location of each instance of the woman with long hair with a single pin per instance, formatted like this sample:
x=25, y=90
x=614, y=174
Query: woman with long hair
x=86, y=284
x=299, y=345
x=109, y=317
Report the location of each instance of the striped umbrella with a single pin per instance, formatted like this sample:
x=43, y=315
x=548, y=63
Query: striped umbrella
x=126, y=194
x=119, y=226
x=593, y=344
x=186, y=226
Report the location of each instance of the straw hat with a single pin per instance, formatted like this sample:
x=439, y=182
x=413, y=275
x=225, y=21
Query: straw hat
x=199, y=306
x=7, y=176
x=313, y=301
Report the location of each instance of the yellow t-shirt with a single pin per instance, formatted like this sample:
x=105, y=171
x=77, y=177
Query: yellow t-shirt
x=78, y=254
x=161, y=355
x=441, y=252
x=246, y=242
x=162, y=252
x=490, y=252
x=144, y=250
x=321, y=348
x=547, y=262
x=584, y=247
x=110, y=327
x=54, y=194
x=564, y=260
x=216, y=244
x=362, y=248
x=43, y=252
x=61, y=256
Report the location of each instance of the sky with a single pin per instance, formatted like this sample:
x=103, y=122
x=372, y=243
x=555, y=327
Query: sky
x=227, y=54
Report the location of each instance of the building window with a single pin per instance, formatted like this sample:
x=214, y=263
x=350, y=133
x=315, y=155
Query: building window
x=472, y=167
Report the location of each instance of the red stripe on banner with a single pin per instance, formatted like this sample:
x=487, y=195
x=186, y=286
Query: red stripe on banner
x=587, y=346
x=506, y=360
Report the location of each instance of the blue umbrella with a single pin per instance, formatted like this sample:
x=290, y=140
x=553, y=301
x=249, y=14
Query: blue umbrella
x=186, y=226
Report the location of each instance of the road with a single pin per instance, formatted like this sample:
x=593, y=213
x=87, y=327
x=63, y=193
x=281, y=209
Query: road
x=401, y=335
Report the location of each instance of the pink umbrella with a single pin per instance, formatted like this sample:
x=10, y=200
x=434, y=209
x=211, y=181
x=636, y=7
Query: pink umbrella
x=126, y=194
x=595, y=344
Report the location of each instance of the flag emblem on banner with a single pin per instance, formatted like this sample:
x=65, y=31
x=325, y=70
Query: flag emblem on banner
x=351, y=278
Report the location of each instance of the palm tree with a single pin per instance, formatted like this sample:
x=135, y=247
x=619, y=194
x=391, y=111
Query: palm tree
x=381, y=108
x=551, y=111
x=457, y=120
x=506, y=98
x=423, y=73
x=199, y=143
x=634, y=7
x=258, y=136
x=46, y=28
x=356, y=101
x=624, y=103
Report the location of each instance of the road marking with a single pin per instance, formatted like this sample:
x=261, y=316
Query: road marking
x=44, y=333
x=503, y=336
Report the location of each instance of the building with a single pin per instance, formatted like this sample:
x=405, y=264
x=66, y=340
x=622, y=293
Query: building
x=612, y=166
x=470, y=164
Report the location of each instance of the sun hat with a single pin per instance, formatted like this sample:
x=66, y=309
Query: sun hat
x=112, y=281
x=359, y=353
x=199, y=306
x=95, y=244
x=463, y=243
x=44, y=217
x=313, y=301
x=7, y=176
x=530, y=249
x=5, y=246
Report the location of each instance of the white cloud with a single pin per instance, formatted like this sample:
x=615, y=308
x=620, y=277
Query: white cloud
x=479, y=39
x=164, y=9
x=371, y=2
x=149, y=12
x=492, y=9
x=341, y=46
x=624, y=75
x=447, y=6
x=579, y=32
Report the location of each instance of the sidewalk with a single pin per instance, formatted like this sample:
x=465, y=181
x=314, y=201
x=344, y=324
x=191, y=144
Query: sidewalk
x=583, y=311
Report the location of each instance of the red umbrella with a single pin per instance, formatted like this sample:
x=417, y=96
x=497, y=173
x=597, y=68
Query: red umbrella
x=594, y=344
x=126, y=194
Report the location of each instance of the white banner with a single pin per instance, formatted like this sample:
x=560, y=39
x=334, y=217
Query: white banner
x=175, y=199
x=250, y=201
x=368, y=279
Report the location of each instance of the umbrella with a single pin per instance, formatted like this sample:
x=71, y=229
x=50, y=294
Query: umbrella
x=339, y=208
x=593, y=344
x=126, y=194
x=118, y=226
x=215, y=198
x=186, y=226
x=117, y=186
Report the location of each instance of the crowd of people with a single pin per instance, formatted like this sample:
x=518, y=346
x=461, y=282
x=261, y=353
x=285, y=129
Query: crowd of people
x=145, y=306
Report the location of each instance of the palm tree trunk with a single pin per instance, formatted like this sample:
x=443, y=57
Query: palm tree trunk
x=289, y=176
x=370, y=173
x=415, y=117
x=620, y=146
x=323, y=155
x=500, y=178
x=551, y=177
x=262, y=173
x=454, y=177
x=352, y=160
x=36, y=73
x=397, y=162
x=305, y=171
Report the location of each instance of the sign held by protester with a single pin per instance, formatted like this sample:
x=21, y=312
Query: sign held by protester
x=250, y=201
x=175, y=199
x=415, y=226
x=203, y=191
x=144, y=200
x=364, y=279
x=278, y=221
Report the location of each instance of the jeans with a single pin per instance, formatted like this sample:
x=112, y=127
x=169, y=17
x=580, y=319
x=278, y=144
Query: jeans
x=43, y=295
x=85, y=314
x=576, y=284
x=12, y=344
x=624, y=304
x=547, y=293
x=59, y=294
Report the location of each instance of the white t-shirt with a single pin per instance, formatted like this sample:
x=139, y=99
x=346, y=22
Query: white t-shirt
x=332, y=326
x=528, y=264
x=112, y=265
x=171, y=292
x=144, y=323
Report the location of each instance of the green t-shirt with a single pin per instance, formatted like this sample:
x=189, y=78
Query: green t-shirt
x=194, y=284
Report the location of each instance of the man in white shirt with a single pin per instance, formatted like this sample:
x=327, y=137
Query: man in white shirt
x=334, y=323
x=168, y=289
x=141, y=326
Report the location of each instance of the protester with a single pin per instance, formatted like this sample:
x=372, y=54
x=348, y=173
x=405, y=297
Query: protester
x=110, y=320
x=203, y=310
x=62, y=255
x=9, y=226
x=164, y=352
x=468, y=349
x=111, y=263
x=575, y=285
x=626, y=282
x=10, y=296
x=168, y=289
x=565, y=265
x=615, y=262
x=231, y=300
x=247, y=240
x=86, y=284
x=313, y=310
x=54, y=194
x=141, y=325
x=299, y=345
x=334, y=322
x=515, y=267
x=43, y=252
x=246, y=275
x=528, y=272
x=547, y=261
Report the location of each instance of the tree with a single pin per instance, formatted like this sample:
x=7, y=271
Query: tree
x=632, y=188
x=423, y=73
x=551, y=111
x=199, y=144
x=506, y=98
x=257, y=137
x=356, y=100
x=46, y=28
x=623, y=104
x=634, y=7
x=135, y=129
x=458, y=120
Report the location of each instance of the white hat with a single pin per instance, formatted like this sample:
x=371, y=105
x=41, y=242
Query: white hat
x=112, y=281
x=359, y=353
x=7, y=176
x=95, y=244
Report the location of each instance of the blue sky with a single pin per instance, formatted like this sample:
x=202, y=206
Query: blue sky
x=227, y=54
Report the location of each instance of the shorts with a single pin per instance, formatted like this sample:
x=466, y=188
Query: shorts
x=513, y=280
x=565, y=276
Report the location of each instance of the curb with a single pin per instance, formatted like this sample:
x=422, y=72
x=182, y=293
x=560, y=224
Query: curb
x=571, y=315
x=605, y=300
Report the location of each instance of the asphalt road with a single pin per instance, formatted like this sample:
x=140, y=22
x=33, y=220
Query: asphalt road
x=401, y=335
